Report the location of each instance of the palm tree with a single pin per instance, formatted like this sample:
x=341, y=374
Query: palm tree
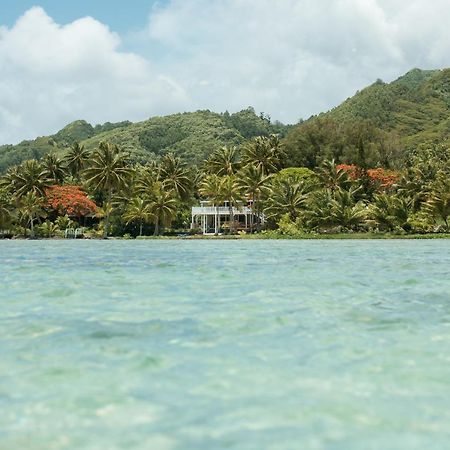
x=102, y=213
x=413, y=186
x=144, y=179
x=76, y=159
x=138, y=210
x=266, y=153
x=28, y=177
x=287, y=198
x=390, y=211
x=223, y=161
x=64, y=222
x=108, y=172
x=209, y=187
x=49, y=228
x=253, y=182
x=162, y=206
x=31, y=209
x=332, y=177
x=54, y=168
x=318, y=211
x=5, y=214
x=344, y=211
x=176, y=176
x=231, y=192
x=438, y=206
x=7, y=180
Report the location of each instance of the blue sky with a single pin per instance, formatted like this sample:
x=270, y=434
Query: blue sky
x=121, y=16
x=132, y=60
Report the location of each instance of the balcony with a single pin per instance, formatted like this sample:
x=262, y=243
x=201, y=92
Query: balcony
x=220, y=210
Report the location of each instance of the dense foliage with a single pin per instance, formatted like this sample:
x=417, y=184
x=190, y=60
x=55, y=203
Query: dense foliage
x=69, y=200
x=379, y=126
x=192, y=136
x=378, y=162
x=48, y=197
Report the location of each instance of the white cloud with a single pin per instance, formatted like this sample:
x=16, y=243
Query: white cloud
x=288, y=58
x=52, y=74
x=293, y=58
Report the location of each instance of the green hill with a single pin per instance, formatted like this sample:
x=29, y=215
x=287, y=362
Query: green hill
x=192, y=136
x=374, y=127
x=416, y=106
x=379, y=124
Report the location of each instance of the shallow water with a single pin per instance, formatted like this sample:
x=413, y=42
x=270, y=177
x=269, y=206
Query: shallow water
x=224, y=345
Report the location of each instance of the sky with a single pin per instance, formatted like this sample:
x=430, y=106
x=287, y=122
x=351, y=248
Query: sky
x=109, y=60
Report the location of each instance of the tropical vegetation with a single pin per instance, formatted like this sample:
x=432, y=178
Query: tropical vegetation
x=378, y=163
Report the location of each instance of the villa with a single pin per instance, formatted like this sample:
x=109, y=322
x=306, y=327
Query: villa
x=211, y=219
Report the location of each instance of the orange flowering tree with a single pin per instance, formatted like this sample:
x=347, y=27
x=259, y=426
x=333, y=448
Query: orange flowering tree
x=70, y=200
x=352, y=170
x=381, y=178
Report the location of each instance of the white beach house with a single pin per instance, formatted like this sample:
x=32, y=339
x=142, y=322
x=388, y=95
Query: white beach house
x=211, y=219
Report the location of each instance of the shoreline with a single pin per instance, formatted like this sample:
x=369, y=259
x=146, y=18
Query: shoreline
x=268, y=236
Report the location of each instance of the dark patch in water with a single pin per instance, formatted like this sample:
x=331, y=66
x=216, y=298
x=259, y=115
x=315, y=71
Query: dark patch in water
x=104, y=334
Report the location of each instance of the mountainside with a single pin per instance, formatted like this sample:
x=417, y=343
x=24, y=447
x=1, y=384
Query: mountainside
x=192, y=136
x=416, y=106
x=378, y=126
x=374, y=128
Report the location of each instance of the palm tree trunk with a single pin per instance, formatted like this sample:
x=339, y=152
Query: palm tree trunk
x=217, y=219
x=106, y=227
x=231, y=218
x=156, y=232
x=140, y=228
x=257, y=213
x=31, y=227
x=252, y=212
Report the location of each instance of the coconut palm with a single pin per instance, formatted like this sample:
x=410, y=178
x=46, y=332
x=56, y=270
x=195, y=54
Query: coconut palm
x=28, y=177
x=332, y=177
x=77, y=159
x=223, y=161
x=318, y=211
x=438, y=207
x=176, y=176
x=5, y=213
x=64, y=222
x=8, y=180
x=102, y=213
x=108, y=172
x=138, y=210
x=286, y=198
x=344, y=211
x=53, y=168
x=209, y=187
x=253, y=181
x=162, y=206
x=412, y=185
x=49, y=229
x=231, y=192
x=264, y=152
x=144, y=179
x=31, y=209
x=390, y=211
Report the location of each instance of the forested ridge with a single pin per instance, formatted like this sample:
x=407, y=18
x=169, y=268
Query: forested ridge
x=379, y=162
x=192, y=136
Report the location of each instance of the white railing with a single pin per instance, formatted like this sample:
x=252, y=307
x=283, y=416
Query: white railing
x=73, y=233
x=222, y=210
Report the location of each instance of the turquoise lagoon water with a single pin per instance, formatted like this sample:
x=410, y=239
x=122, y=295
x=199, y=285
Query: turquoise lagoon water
x=224, y=345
